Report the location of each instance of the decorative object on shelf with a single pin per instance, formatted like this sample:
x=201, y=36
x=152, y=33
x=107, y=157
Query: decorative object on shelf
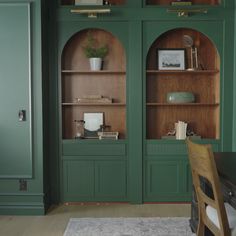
x=94, y=52
x=106, y=3
x=93, y=123
x=180, y=129
x=171, y=135
x=79, y=129
x=181, y=3
x=191, y=134
x=171, y=59
x=95, y=63
x=94, y=99
x=188, y=43
x=105, y=128
x=108, y=135
x=88, y=2
x=180, y=97
x=186, y=12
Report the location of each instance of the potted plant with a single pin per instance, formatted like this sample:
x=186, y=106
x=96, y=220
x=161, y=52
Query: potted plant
x=94, y=52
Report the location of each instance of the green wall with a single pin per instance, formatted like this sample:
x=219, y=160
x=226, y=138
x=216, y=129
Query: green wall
x=46, y=23
x=31, y=200
x=234, y=108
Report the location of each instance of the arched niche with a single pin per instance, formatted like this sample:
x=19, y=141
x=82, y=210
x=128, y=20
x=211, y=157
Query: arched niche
x=203, y=115
x=78, y=81
x=207, y=53
x=74, y=58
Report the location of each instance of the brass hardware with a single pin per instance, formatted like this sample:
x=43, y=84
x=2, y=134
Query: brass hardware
x=92, y=13
x=186, y=12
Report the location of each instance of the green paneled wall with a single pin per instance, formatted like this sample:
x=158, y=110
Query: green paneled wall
x=128, y=170
x=15, y=98
x=234, y=101
x=31, y=199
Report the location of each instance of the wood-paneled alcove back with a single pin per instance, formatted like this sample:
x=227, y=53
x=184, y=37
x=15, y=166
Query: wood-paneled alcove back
x=203, y=115
x=79, y=81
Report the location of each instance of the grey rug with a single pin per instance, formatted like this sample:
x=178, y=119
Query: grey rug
x=156, y=226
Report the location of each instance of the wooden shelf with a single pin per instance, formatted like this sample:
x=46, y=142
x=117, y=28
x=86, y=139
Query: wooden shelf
x=92, y=72
x=182, y=72
x=92, y=104
x=181, y=104
x=112, y=2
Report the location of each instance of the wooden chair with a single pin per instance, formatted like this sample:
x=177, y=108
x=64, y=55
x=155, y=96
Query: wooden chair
x=218, y=217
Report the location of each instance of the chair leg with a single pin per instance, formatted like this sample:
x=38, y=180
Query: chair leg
x=200, y=228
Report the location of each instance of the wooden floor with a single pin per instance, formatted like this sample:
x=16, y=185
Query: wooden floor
x=54, y=223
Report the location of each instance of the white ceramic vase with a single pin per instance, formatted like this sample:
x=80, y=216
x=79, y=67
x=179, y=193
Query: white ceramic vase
x=95, y=63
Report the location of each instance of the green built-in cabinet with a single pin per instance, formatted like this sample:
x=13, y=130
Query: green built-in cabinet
x=166, y=159
x=92, y=169
x=142, y=166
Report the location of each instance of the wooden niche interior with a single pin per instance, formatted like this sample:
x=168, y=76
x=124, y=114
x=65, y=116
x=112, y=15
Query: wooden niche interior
x=203, y=114
x=79, y=81
x=194, y=2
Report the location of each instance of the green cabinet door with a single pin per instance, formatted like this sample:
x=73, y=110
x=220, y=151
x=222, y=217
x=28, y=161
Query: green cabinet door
x=78, y=180
x=15, y=91
x=163, y=180
x=89, y=180
x=110, y=178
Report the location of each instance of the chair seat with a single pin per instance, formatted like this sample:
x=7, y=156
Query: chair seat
x=231, y=215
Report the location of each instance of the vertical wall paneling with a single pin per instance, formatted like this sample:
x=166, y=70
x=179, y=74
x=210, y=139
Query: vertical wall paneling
x=15, y=91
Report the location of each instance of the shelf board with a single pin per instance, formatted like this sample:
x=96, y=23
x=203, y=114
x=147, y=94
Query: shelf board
x=100, y=72
x=182, y=72
x=92, y=104
x=181, y=104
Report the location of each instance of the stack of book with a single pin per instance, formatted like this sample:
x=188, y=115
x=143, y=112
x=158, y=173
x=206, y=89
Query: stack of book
x=181, y=3
x=108, y=135
x=94, y=99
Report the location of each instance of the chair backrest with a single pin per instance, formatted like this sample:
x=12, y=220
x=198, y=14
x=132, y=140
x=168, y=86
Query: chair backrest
x=203, y=165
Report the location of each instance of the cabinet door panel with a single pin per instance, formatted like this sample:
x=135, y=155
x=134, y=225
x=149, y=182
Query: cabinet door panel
x=15, y=87
x=163, y=177
x=111, y=179
x=78, y=179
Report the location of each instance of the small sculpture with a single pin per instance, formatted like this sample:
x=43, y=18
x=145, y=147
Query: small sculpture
x=188, y=42
x=79, y=129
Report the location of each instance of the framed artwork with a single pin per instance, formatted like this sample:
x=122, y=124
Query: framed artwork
x=93, y=123
x=88, y=2
x=171, y=59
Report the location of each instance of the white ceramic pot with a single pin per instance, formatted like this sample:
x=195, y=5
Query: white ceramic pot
x=95, y=63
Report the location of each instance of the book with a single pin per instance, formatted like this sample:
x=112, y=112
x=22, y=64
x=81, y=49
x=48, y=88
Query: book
x=108, y=135
x=94, y=100
x=183, y=3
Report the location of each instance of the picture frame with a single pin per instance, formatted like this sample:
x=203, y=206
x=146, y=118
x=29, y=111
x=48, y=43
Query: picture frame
x=88, y=2
x=171, y=59
x=93, y=123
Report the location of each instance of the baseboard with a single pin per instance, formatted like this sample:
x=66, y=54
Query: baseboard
x=22, y=210
x=22, y=204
